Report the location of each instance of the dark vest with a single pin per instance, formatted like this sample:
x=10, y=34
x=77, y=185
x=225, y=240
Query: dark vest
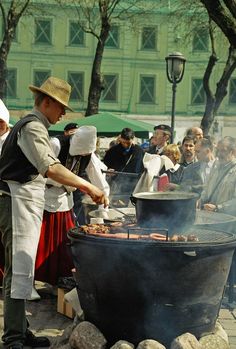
x=14, y=165
x=66, y=159
x=65, y=144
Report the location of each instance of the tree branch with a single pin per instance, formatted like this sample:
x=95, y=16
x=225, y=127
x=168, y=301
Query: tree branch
x=20, y=13
x=222, y=18
x=231, y=6
x=3, y=13
x=221, y=90
x=112, y=7
x=210, y=65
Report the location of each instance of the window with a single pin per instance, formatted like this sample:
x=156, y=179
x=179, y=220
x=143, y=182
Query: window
x=40, y=76
x=113, y=38
x=149, y=38
x=232, y=91
x=110, y=88
x=198, y=94
x=11, y=83
x=76, y=80
x=201, y=41
x=43, y=31
x=76, y=34
x=147, y=89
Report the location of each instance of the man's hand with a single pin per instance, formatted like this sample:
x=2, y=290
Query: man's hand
x=62, y=175
x=170, y=187
x=209, y=207
x=98, y=196
x=110, y=170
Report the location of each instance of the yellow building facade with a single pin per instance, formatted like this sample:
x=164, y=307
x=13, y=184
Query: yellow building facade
x=133, y=65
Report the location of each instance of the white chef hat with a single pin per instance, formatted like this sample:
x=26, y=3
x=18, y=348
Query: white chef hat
x=83, y=141
x=4, y=113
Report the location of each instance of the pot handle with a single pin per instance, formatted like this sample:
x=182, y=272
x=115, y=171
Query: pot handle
x=190, y=253
x=133, y=200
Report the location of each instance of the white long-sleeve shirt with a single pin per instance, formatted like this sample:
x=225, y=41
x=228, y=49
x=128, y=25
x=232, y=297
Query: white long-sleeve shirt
x=58, y=199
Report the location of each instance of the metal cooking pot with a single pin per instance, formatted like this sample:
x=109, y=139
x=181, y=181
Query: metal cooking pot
x=119, y=200
x=175, y=211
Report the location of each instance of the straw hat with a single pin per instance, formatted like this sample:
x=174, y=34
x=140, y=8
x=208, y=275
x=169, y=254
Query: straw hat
x=4, y=113
x=55, y=88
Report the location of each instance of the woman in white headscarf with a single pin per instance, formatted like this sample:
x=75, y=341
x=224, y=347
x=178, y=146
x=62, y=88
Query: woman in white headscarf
x=76, y=152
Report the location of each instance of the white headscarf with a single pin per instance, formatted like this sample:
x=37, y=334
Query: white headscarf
x=4, y=113
x=83, y=141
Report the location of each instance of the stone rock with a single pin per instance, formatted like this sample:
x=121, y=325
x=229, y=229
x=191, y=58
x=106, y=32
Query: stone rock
x=221, y=332
x=60, y=341
x=186, y=341
x=150, y=344
x=213, y=341
x=87, y=336
x=65, y=346
x=122, y=345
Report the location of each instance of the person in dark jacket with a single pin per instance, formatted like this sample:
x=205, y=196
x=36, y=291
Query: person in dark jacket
x=188, y=151
x=126, y=158
x=162, y=137
x=197, y=174
x=195, y=132
x=70, y=128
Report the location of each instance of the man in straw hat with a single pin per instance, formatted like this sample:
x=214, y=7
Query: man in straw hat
x=4, y=131
x=26, y=161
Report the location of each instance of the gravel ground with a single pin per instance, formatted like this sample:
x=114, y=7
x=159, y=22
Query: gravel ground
x=42, y=315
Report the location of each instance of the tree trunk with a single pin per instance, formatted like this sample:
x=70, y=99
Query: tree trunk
x=4, y=50
x=214, y=101
x=10, y=21
x=210, y=98
x=3, y=77
x=222, y=85
x=97, y=83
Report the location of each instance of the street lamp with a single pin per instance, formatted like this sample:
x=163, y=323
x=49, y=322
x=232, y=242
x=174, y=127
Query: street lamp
x=175, y=64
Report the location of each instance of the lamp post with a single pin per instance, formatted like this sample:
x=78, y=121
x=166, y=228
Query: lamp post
x=175, y=64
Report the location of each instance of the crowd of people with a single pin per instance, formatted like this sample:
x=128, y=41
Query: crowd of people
x=43, y=181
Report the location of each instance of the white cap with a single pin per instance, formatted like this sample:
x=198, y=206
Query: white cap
x=4, y=113
x=83, y=141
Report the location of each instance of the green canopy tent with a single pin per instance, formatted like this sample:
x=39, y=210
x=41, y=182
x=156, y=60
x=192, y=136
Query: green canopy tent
x=107, y=125
x=13, y=120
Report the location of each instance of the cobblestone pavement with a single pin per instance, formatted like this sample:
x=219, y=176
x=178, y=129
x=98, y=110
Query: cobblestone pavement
x=227, y=319
x=45, y=320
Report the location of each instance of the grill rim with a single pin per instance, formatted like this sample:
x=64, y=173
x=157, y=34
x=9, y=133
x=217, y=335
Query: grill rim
x=169, y=245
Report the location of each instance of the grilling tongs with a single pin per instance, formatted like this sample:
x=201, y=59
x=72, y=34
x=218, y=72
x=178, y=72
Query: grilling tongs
x=120, y=211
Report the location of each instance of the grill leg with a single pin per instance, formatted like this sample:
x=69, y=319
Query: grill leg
x=231, y=280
